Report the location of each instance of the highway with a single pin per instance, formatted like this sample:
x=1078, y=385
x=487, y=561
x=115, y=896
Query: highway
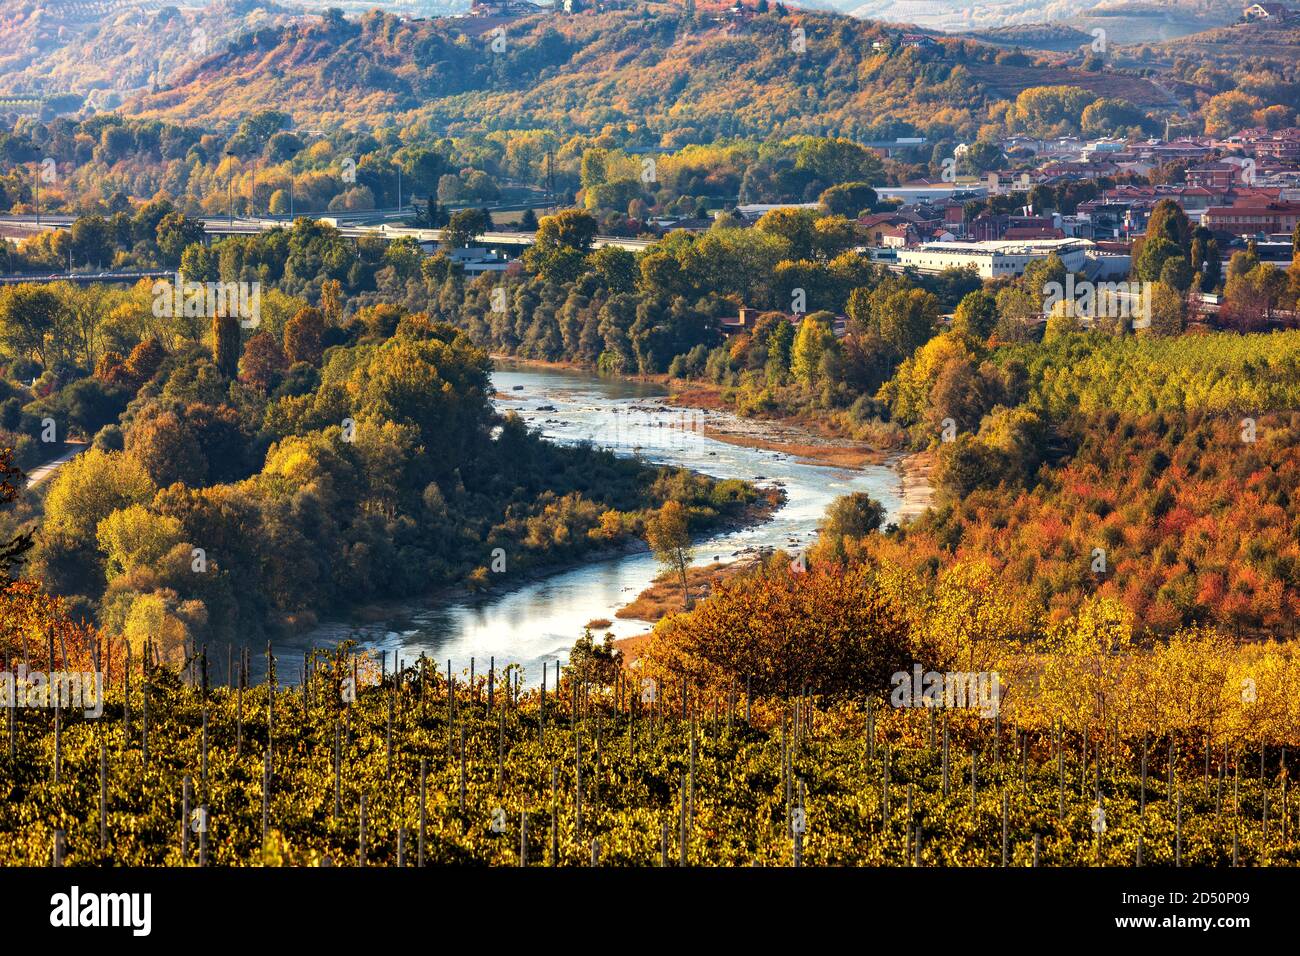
x=86, y=278
x=224, y=226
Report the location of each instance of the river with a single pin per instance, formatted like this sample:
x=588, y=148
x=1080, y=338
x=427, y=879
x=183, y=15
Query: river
x=539, y=620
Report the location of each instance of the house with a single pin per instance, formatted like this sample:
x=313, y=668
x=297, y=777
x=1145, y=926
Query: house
x=502, y=8
x=1272, y=12
x=1186, y=148
x=888, y=230
x=954, y=218
x=910, y=41
x=742, y=322
x=1282, y=145
x=474, y=261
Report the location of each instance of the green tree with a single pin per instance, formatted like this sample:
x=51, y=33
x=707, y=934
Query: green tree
x=132, y=537
x=92, y=241
x=838, y=160
x=175, y=233
x=1153, y=256
x=225, y=344
x=29, y=315
x=849, y=199
x=464, y=226
x=562, y=242
x=976, y=315
x=616, y=267
x=853, y=515
x=908, y=319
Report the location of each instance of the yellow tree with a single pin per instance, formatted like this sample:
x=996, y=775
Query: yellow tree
x=669, y=537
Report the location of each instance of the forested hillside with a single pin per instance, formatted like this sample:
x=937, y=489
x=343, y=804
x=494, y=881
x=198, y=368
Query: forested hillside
x=94, y=53
x=672, y=78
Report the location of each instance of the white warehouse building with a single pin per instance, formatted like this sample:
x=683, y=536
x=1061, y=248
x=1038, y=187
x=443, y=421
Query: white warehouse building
x=993, y=259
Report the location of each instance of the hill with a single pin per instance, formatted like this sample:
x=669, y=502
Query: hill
x=652, y=72
x=1234, y=43
x=1057, y=37
x=102, y=49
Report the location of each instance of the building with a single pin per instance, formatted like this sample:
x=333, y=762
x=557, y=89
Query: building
x=1102, y=147
x=503, y=8
x=989, y=228
x=1216, y=174
x=1282, y=146
x=754, y=211
x=889, y=229
x=747, y=319
x=1250, y=216
x=742, y=322
x=995, y=259
x=909, y=41
x=1187, y=148
x=1271, y=12
x=912, y=193
x=474, y=261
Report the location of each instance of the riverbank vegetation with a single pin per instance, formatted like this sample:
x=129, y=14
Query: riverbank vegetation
x=249, y=487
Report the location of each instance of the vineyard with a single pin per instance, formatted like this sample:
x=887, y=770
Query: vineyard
x=364, y=763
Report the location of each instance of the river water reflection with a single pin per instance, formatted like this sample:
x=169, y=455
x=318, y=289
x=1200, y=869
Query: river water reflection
x=538, y=621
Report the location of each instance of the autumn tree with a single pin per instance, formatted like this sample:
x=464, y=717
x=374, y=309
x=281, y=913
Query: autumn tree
x=12, y=550
x=331, y=301
x=831, y=631
x=303, y=336
x=811, y=343
x=168, y=451
x=1168, y=221
x=1229, y=112
x=88, y=489
x=263, y=363
x=668, y=534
